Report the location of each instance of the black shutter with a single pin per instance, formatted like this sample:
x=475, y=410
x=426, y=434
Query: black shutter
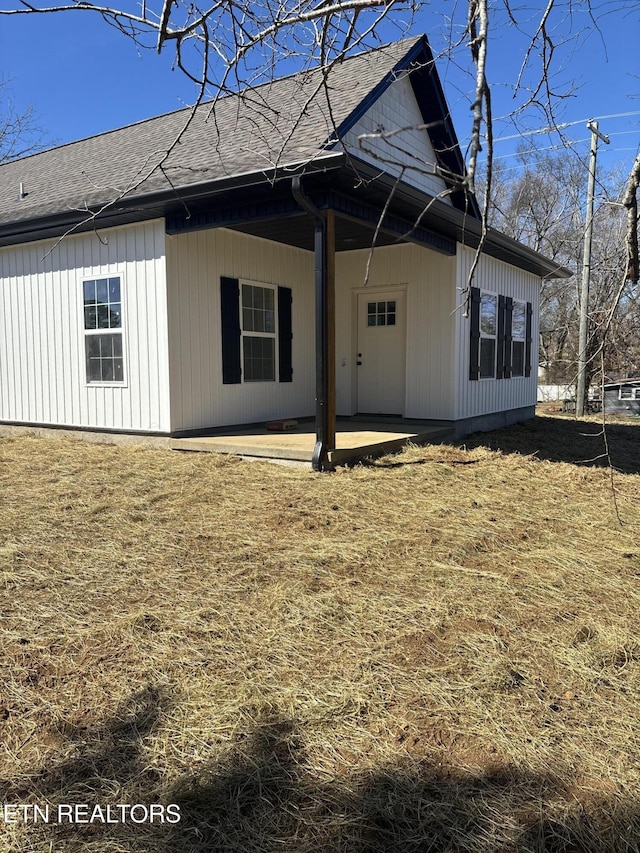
x=474, y=349
x=527, y=352
x=285, y=335
x=508, y=337
x=230, y=307
x=500, y=342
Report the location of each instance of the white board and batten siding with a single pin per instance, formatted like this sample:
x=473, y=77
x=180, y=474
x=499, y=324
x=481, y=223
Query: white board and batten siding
x=406, y=148
x=42, y=343
x=427, y=279
x=195, y=264
x=485, y=396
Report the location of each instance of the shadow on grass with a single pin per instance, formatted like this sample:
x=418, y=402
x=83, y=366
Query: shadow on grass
x=556, y=439
x=263, y=796
x=568, y=440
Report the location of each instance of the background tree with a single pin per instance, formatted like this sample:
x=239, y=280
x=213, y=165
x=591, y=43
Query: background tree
x=543, y=207
x=19, y=131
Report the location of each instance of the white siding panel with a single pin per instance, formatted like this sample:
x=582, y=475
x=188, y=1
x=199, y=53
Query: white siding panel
x=396, y=112
x=42, y=361
x=484, y=396
x=429, y=280
x=195, y=264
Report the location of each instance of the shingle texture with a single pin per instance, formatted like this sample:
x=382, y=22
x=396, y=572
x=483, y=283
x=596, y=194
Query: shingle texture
x=285, y=121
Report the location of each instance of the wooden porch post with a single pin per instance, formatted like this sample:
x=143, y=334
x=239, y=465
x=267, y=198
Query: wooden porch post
x=324, y=251
x=330, y=326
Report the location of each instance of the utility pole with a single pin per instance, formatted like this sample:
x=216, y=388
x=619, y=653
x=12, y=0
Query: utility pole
x=583, y=334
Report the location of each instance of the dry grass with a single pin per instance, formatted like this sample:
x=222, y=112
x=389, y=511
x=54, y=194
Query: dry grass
x=434, y=652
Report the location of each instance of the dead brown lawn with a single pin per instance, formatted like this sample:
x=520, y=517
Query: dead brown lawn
x=437, y=651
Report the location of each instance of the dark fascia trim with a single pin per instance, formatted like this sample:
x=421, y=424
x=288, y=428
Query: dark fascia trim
x=391, y=224
x=230, y=215
x=466, y=230
x=159, y=203
x=419, y=63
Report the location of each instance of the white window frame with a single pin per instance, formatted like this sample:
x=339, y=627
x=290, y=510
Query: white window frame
x=517, y=339
x=485, y=336
x=249, y=333
x=635, y=393
x=86, y=333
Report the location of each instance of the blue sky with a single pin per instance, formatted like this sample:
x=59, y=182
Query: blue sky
x=82, y=77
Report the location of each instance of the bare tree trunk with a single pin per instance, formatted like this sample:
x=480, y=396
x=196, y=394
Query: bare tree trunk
x=630, y=201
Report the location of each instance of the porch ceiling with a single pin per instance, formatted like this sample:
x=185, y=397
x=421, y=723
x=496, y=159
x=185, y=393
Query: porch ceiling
x=297, y=230
x=272, y=212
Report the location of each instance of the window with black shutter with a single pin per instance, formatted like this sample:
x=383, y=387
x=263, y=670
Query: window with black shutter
x=256, y=332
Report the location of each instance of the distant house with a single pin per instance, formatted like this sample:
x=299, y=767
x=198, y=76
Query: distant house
x=200, y=293
x=622, y=397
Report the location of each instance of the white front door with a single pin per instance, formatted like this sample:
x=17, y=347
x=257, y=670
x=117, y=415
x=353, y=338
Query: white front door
x=381, y=352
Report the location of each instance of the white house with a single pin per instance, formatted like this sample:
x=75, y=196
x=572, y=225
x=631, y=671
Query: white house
x=163, y=280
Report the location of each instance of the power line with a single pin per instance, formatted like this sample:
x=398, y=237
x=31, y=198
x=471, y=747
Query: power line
x=560, y=146
x=554, y=128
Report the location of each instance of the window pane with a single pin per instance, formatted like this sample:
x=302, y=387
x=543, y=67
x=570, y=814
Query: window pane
x=247, y=320
x=115, y=315
x=89, y=291
x=93, y=370
x=90, y=318
x=103, y=316
x=104, y=358
x=518, y=320
x=258, y=320
x=114, y=290
x=517, y=360
x=259, y=359
x=487, y=357
x=488, y=307
x=106, y=346
x=381, y=313
x=258, y=309
x=102, y=290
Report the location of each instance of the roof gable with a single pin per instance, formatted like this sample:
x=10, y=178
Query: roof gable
x=392, y=134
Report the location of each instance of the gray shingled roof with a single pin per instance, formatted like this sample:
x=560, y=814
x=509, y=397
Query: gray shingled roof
x=285, y=121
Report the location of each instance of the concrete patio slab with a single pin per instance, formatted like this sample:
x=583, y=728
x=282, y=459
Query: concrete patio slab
x=354, y=440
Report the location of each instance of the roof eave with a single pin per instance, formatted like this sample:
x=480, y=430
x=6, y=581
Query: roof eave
x=144, y=206
x=435, y=214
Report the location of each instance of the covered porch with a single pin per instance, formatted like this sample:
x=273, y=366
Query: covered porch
x=324, y=216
